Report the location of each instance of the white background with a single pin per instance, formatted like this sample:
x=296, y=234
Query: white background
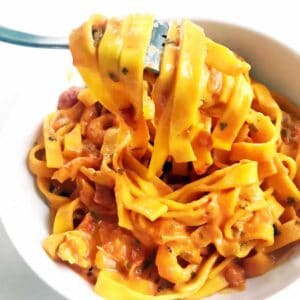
x=279, y=19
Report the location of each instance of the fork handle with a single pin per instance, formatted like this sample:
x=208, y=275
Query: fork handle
x=16, y=37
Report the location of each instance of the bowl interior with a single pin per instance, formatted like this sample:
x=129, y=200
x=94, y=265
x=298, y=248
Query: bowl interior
x=25, y=215
x=272, y=63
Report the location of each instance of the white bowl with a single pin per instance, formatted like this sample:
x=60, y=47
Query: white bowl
x=25, y=215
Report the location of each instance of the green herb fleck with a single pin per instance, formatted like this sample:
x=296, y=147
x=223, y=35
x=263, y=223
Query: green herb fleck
x=243, y=205
x=51, y=138
x=291, y=201
x=223, y=125
x=113, y=77
x=125, y=71
x=276, y=230
x=169, y=249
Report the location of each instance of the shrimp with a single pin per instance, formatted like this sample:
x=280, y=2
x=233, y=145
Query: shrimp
x=235, y=276
x=78, y=245
x=90, y=113
x=168, y=265
x=71, y=169
x=75, y=249
x=97, y=127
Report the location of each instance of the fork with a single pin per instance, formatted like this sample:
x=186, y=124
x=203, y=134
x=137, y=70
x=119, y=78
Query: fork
x=152, y=58
x=21, y=38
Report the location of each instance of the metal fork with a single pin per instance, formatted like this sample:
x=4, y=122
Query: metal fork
x=20, y=38
x=152, y=59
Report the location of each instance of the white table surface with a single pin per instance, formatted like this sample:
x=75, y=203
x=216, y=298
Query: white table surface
x=280, y=20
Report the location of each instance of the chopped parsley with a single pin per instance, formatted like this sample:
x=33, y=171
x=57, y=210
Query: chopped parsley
x=223, y=125
x=243, y=205
x=291, y=201
x=113, y=77
x=125, y=71
x=51, y=138
x=276, y=230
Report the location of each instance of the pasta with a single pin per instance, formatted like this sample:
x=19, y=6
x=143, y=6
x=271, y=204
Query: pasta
x=166, y=186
